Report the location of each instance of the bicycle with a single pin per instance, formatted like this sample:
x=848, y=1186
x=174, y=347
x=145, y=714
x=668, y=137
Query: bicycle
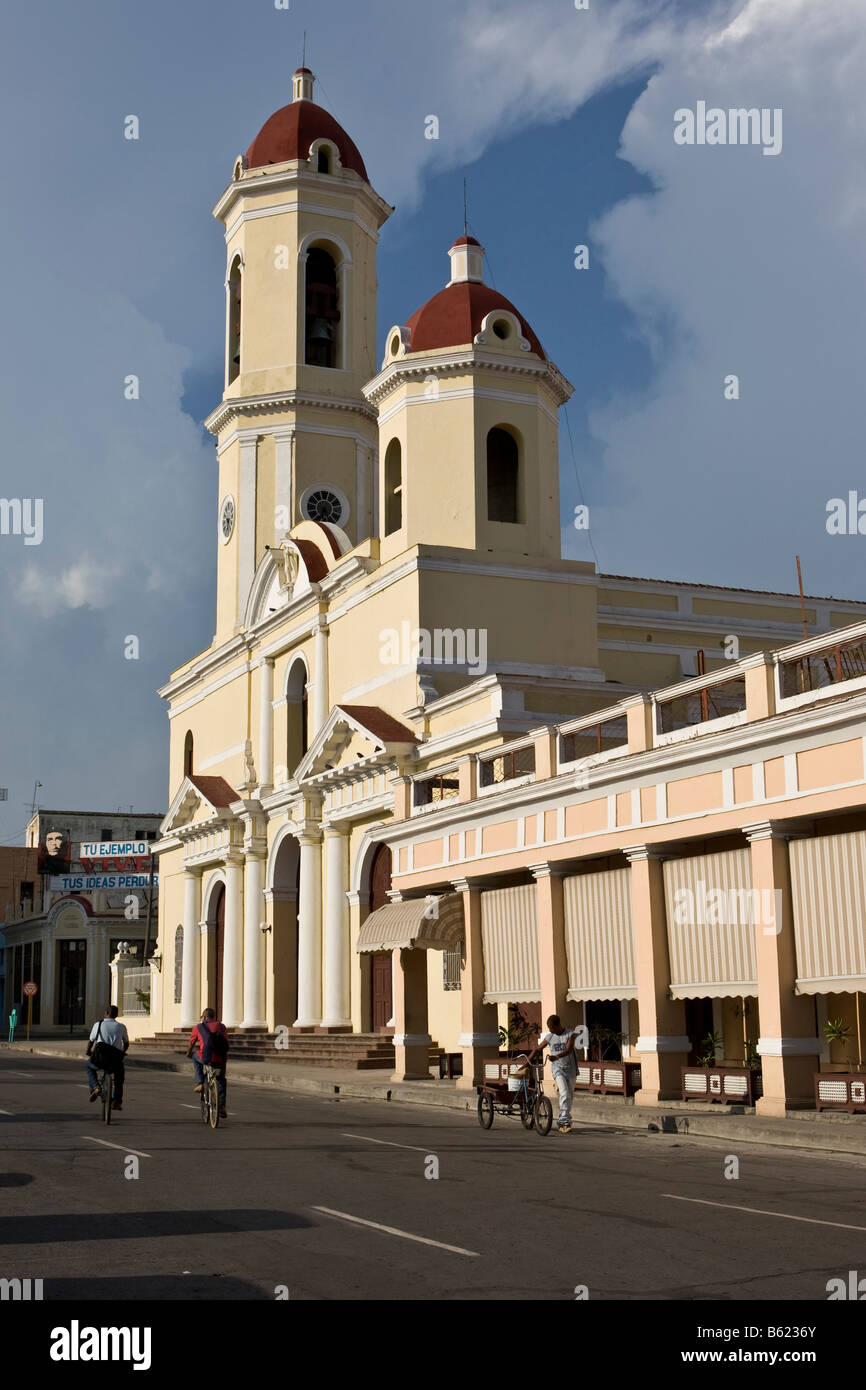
x=106, y=1086
x=210, y=1100
x=523, y=1091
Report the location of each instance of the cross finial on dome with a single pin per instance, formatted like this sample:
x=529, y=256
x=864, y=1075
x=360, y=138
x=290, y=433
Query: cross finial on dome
x=467, y=260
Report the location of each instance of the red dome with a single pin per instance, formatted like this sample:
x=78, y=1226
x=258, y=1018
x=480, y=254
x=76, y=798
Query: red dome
x=290, y=132
x=453, y=317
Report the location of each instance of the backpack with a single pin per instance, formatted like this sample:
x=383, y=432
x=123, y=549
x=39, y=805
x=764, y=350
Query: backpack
x=214, y=1045
x=103, y=1054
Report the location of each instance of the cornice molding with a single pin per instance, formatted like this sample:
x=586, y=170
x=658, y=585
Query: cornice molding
x=235, y=406
x=465, y=359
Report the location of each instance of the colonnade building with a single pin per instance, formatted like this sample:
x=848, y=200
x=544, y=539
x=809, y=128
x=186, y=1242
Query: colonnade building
x=400, y=651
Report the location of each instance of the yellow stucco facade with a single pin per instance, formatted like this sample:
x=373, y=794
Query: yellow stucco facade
x=391, y=599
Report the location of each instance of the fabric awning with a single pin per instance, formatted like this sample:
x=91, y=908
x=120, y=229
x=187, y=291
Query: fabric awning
x=828, y=890
x=711, y=919
x=598, y=935
x=509, y=939
x=434, y=923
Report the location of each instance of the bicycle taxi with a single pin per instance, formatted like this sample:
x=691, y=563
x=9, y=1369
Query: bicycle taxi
x=513, y=1086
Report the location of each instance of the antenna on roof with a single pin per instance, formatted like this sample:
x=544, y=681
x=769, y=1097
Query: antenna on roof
x=465, y=212
x=304, y=51
x=802, y=599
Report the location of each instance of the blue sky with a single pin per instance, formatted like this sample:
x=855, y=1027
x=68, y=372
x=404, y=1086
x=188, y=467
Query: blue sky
x=703, y=262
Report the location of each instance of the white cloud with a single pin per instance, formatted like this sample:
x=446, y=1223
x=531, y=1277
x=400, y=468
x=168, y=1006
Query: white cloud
x=86, y=583
x=741, y=264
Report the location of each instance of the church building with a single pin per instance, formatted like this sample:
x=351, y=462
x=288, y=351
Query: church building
x=392, y=609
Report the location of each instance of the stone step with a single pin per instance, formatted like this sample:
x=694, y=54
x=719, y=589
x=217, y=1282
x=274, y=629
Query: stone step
x=358, y=1051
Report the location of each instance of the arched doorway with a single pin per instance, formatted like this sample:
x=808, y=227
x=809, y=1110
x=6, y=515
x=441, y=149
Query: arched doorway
x=216, y=919
x=381, y=983
x=286, y=882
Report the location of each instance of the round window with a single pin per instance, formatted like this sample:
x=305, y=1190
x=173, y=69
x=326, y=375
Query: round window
x=227, y=519
x=325, y=504
x=502, y=328
x=395, y=345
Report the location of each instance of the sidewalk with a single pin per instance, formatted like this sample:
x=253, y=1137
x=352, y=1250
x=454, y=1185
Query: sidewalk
x=802, y=1129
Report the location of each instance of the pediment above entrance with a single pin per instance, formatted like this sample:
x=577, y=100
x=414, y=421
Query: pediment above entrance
x=356, y=736
x=199, y=800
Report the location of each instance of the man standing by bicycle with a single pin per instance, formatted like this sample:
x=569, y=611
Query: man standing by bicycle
x=210, y=1042
x=563, y=1065
x=113, y=1041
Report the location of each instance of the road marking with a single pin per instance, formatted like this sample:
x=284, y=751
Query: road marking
x=122, y=1147
x=7, y=1112
x=12, y=1072
x=229, y=1113
x=393, y=1231
x=389, y=1142
x=757, y=1211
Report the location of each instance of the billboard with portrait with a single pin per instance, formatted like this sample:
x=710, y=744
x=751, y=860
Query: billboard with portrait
x=54, y=852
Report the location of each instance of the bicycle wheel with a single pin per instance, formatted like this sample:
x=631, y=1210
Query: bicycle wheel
x=213, y=1102
x=203, y=1097
x=543, y=1115
x=527, y=1114
x=485, y=1110
x=107, y=1096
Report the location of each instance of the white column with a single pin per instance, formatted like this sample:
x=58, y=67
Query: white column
x=310, y=934
x=362, y=500
x=47, y=984
x=233, y=955
x=283, y=482
x=254, y=943
x=320, y=675
x=190, y=985
x=246, y=523
x=337, y=1014
x=266, y=723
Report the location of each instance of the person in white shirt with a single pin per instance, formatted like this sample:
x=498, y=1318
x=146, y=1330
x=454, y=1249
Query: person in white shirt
x=115, y=1037
x=563, y=1065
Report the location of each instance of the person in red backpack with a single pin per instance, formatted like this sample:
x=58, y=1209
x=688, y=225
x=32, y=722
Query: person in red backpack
x=209, y=1041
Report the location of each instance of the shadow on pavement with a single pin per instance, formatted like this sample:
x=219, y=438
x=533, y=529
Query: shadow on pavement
x=144, y=1225
x=168, y=1287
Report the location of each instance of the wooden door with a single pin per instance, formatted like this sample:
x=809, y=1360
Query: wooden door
x=71, y=983
x=220, y=942
x=382, y=1005
x=381, y=992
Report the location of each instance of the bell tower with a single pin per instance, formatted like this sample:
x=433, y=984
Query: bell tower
x=474, y=463
x=296, y=437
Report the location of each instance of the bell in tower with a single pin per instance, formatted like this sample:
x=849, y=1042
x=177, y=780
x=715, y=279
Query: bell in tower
x=322, y=314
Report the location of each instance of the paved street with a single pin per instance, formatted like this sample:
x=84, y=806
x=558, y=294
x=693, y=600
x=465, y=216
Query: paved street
x=279, y=1194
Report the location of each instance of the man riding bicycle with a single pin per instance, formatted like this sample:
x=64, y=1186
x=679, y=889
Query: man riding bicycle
x=210, y=1042
x=114, y=1041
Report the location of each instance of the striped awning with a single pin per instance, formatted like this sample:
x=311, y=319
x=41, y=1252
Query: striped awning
x=434, y=923
x=828, y=889
x=711, y=920
x=598, y=935
x=509, y=940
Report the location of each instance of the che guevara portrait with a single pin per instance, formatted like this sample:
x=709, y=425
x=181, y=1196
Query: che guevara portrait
x=53, y=855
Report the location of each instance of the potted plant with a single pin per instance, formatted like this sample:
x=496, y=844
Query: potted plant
x=721, y=1089
x=605, y=1044
x=708, y=1049
x=520, y=1033
x=835, y=1031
